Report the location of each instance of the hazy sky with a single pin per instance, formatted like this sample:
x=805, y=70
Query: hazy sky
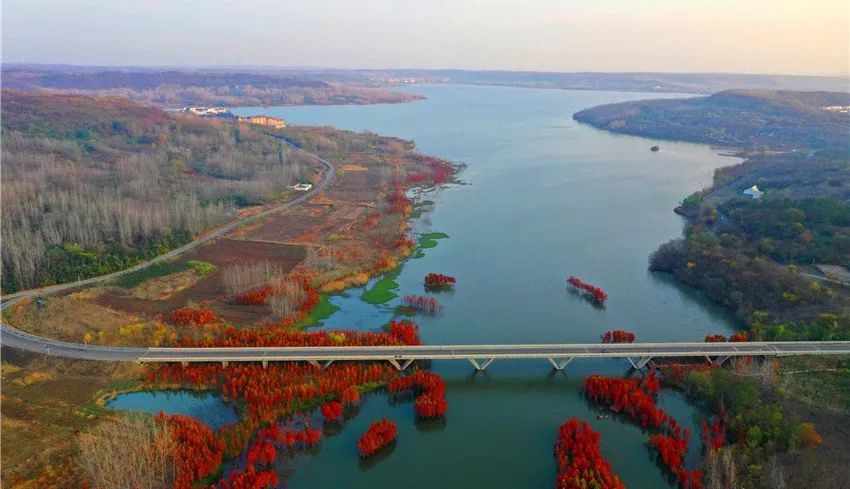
x=742, y=36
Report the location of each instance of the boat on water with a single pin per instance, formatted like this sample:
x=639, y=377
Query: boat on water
x=602, y=416
x=655, y=148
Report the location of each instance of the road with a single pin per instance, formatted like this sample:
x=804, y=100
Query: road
x=327, y=178
x=557, y=352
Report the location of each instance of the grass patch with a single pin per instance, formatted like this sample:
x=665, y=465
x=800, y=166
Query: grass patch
x=201, y=268
x=8, y=369
x=31, y=379
x=818, y=381
x=429, y=240
x=381, y=292
x=133, y=280
x=164, y=287
x=323, y=310
x=160, y=269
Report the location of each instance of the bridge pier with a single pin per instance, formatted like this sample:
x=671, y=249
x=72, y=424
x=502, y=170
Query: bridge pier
x=402, y=366
x=224, y=363
x=327, y=364
x=184, y=364
x=480, y=366
x=265, y=363
x=560, y=365
x=314, y=363
x=640, y=363
x=718, y=361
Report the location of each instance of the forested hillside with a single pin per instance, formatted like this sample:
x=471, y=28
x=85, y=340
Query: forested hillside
x=739, y=118
x=93, y=185
x=181, y=88
x=745, y=254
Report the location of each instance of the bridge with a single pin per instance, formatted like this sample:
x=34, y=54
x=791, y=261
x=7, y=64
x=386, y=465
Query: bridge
x=401, y=357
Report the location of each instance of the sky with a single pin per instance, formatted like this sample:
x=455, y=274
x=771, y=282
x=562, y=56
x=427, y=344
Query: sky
x=730, y=36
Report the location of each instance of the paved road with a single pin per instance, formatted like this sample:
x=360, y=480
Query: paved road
x=19, y=339
x=327, y=178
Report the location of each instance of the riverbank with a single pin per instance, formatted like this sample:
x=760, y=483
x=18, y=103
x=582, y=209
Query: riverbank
x=742, y=253
x=340, y=236
x=350, y=231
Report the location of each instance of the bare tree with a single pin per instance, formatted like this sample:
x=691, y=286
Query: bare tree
x=775, y=473
x=721, y=470
x=128, y=453
x=57, y=192
x=240, y=278
x=286, y=300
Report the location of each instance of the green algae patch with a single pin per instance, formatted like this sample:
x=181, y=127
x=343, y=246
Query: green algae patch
x=323, y=310
x=382, y=291
x=429, y=240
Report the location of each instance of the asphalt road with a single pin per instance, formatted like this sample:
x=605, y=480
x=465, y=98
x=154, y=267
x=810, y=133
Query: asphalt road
x=19, y=339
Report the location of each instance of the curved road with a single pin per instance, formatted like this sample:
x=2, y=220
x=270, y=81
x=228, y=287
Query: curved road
x=13, y=337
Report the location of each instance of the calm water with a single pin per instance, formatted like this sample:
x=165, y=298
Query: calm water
x=203, y=405
x=547, y=197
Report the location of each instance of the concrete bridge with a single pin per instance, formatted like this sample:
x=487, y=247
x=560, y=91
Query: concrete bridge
x=401, y=357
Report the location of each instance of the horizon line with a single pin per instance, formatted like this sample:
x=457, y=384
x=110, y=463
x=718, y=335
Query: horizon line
x=4, y=64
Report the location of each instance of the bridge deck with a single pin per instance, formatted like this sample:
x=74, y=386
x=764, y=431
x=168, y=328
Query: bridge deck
x=552, y=352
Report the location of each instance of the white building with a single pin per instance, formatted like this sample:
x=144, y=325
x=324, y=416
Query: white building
x=205, y=111
x=753, y=192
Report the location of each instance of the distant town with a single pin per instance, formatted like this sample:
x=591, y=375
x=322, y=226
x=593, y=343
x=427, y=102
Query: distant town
x=222, y=113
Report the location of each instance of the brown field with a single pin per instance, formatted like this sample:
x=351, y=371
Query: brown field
x=41, y=420
x=209, y=290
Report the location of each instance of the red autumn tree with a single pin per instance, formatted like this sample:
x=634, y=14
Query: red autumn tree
x=580, y=462
x=592, y=292
x=618, y=336
x=379, y=435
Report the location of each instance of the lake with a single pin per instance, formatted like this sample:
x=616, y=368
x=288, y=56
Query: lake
x=205, y=406
x=545, y=197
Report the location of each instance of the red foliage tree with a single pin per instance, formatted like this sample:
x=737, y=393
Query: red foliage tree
x=405, y=331
x=350, y=396
x=580, y=463
x=739, y=337
x=422, y=304
x=439, y=281
x=189, y=315
x=397, y=200
x=634, y=398
x=332, y=410
x=631, y=397
x=259, y=472
x=672, y=450
x=715, y=338
x=618, y=336
x=431, y=402
x=379, y=435
x=713, y=435
x=593, y=292
x=197, y=452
